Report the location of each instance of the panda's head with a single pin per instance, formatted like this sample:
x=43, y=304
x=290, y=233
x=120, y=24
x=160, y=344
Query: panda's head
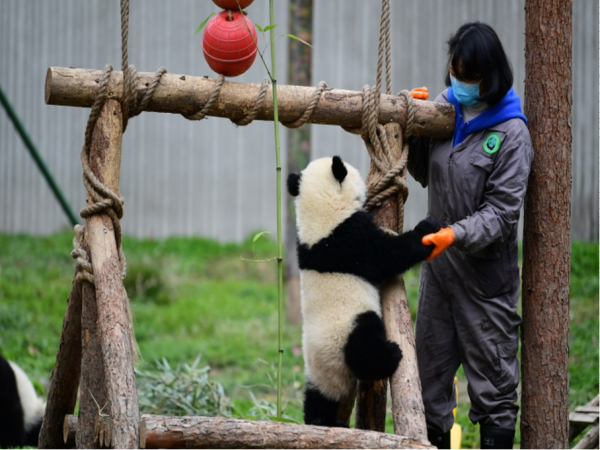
x=327, y=192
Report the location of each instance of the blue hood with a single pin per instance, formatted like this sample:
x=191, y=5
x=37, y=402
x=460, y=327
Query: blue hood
x=507, y=108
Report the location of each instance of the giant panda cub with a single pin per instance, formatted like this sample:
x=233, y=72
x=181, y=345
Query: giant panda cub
x=343, y=256
x=21, y=410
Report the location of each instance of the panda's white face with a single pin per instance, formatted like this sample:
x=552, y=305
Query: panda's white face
x=323, y=201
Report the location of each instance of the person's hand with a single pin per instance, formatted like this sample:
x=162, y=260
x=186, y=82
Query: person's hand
x=442, y=240
x=420, y=93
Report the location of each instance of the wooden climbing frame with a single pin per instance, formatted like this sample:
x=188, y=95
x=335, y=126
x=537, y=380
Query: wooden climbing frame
x=96, y=353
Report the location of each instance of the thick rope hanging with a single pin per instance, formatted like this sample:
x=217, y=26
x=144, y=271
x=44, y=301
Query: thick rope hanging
x=374, y=134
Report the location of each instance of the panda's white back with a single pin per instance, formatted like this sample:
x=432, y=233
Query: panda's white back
x=330, y=304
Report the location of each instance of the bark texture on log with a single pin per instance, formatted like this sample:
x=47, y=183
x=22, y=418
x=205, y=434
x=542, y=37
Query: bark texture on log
x=187, y=94
x=371, y=403
x=92, y=396
x=216, y=432
x=111, y=298
x=62, y=393
x=407, y=403
x=547, y=224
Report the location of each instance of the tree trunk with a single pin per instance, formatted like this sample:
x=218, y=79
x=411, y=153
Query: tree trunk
x=111, y=299
x=407, y=403
x=298, y=152
x=546, y=240
x=64, y=382
x=218, y=432
x=184, y=94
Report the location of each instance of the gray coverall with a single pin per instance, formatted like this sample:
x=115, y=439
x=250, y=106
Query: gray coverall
x=467, y=312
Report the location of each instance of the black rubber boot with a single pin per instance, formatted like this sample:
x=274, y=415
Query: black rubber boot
x=496, y=437
x=440, y=440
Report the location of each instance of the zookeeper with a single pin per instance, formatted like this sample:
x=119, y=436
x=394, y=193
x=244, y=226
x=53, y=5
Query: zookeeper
x=469, y=289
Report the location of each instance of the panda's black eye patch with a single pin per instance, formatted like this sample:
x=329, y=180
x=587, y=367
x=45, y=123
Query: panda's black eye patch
x=293, y=184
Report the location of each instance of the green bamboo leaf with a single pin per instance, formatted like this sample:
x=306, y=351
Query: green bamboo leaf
x=258, y=235
x=281, y=419
x=259, y=28
x=298, y=39
x=202, y=24
x=270, y=27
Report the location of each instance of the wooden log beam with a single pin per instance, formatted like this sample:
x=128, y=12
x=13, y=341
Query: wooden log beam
x=111, y=298
x=62, y=393
x=217, y=432
x=407, y=403
x=184, y=94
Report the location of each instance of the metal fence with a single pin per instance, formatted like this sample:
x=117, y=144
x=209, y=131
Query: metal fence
x=211, y=178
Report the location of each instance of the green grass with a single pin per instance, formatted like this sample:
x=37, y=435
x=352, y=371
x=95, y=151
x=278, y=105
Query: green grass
x=196, y=296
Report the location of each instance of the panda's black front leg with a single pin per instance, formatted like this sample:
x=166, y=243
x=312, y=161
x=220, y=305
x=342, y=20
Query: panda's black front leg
x=319, y=410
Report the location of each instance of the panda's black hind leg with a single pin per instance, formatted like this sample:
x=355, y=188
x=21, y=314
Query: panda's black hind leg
x=319, y=410
x=368, y=353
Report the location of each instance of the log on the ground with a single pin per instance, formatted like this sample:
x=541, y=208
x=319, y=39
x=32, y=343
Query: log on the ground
x=62, y=393
x=407, y=404
x=185, y=94
x=111, y=298
x=217, y=432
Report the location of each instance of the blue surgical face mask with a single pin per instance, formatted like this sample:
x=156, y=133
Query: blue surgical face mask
x=466, y=93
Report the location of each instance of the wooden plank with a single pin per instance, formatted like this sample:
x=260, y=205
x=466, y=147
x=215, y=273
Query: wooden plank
x=588, y=409
x=185, y=94
x=580, y=418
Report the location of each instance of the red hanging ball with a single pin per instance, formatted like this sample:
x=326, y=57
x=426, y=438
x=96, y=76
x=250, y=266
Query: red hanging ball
x=229, y=48
x=233, y=4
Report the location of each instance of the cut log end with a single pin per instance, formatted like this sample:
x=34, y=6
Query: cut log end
x=47, y=85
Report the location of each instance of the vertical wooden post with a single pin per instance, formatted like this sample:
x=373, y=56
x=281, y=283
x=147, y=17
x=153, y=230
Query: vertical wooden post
x=547, y=226
x=298, y=152
x=92, y=396
x=111, y=298
x=62, y=393
x=407, y=403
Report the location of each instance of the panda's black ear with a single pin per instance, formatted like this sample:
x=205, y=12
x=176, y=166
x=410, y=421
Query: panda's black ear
x=293, y=184
x=339, y=169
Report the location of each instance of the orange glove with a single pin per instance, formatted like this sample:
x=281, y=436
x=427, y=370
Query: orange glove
x=442, y=240
x=420, y=93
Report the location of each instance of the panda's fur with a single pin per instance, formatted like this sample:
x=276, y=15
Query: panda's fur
x=21, y=411
x=343, y=256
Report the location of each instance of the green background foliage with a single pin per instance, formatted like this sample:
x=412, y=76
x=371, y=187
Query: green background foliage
x=194, y=297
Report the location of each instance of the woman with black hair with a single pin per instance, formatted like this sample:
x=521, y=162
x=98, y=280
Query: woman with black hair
x=468, y=294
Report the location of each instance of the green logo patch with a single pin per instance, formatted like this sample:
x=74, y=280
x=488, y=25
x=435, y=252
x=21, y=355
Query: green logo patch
x=492, y=143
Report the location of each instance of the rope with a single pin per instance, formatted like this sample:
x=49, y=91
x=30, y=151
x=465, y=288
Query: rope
x=83, y=268
x=258, y=105
x=308, y=112
x=374, y=134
